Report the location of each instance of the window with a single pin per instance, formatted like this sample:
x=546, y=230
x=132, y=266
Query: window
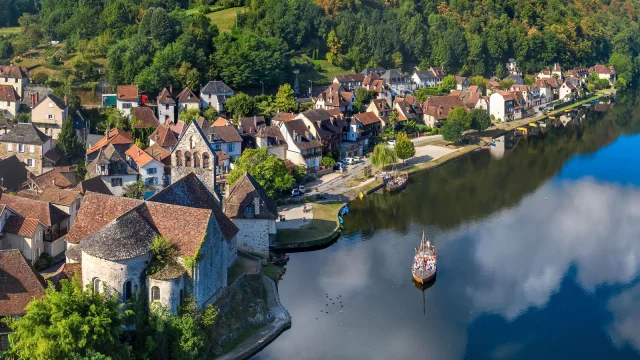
x=97, y=285
x=166, y=107
x=9, y=147
x=230, y=147
x=196, y=159
x=151, y=181
x=216, y=147
x=248, y=209
x=116, y=182
x=15, y=80
x=30, y=162
x=32, y=149
x=192, y=142
x=50, y=104
x=151, y=171
x=126, y=293
x=178, y=158
x=4, y=342
x=205, y=161
x=155, y=293
x=20, y=147
x=50, y=116
x=187, y=159
x=7, y=80
x=126, y=105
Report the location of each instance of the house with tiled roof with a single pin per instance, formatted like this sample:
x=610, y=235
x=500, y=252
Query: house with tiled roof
x=226, y=139
x=13, y=173
x=350, y=81
x=19, y=285
x=579, y=72
x=462, y=82
x=556, y=71
x=167, y=106
x=324, y=127
x=505, y=106
x=569, y=88
x=95, y=185
x=281, y=117
x=143, y=117
x=187, y=99
x=110, y=166
x=303, y=148
x=530, y=94
x=254, y=213
x=30, y=146
x=50, y=114
x=220, y=121
x=164, y=137
x=120, y=139
x=381, y=108
x=151, y=170
x=112, y=240
x=271, y=138
x=604, y=72
x=127, y=97
x=360, y=128
x=17, y=77
x=32, y=226
x=396, y=80
x=407, y=110
x=248, y=128
x=9, y=101
x=512, y=67
x=544, y=74
x=546, y=92
x=335, y=97
x=215, y=94
x=437, y=108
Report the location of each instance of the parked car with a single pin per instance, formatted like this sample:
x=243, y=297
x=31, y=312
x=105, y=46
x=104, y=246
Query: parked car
x=358, y=159
x=301, y=189
x=338, y=166
x=295, y=192
x=349, y=161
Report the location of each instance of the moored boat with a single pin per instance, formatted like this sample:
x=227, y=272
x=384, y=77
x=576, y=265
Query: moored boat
x=397, y=183
x=424, y=262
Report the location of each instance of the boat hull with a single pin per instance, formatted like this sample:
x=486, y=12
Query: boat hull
x=424, y=277
x=396, y=187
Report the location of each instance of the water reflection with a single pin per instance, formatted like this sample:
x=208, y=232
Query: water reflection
x=538, y=258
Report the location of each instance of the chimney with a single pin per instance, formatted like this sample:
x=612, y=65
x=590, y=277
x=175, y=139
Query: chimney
x=37, y=97
x=255, y=121
x=54, y=182
x=295, y=138
x=33, y=100
x=256, y=205
x=170, y=90
x=58, y=195
x=66, y=102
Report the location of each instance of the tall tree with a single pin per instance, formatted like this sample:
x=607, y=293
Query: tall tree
x=285, y=100
x=68, y=141
x=241, y=105
x=268, y=170
x=383, y=155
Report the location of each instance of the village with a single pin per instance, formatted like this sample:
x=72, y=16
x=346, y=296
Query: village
x=175, y=183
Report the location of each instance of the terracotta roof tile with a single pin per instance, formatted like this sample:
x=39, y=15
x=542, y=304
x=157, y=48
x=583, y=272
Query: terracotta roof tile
x=165, y=97
x=220, y=121
x=243, y=193
x=115, y=137
x=19, y=284
x=439, y=106
x=22, y=226
x=367, y=118
x=138, y=156
x=34, y=209
x=188, y=96
x=8, y=93
x=146, y=116
x=127, y=92
x=159, y=153
x=164, y=136
x=13, y=72
x=60, y=196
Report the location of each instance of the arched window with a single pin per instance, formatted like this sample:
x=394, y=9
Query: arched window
x=155, y=293
x=126, y=290
x=187, y=159
x=205, y=160
x=97, y=285
x=178, y=158
x=196, y=159
x=192, y=142
x=248, y=209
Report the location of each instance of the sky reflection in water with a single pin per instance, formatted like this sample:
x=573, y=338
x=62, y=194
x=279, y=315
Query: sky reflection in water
x=554, y=276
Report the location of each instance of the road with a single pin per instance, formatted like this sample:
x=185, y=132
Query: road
x=336, y=185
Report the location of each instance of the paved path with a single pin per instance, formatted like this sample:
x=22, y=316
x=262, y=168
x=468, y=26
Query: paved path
x=425, y=139
x=294, y=216
x=268, y=333
x=335, y=186
x=427, y=153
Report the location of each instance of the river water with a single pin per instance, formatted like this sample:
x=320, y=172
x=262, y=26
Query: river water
x=538, y=257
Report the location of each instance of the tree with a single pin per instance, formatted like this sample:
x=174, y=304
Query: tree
x=210, y=114
x=285, y=100
x=68, y=141
x=241, y=105
x=136, y=190
x=404, y=147
x=40, y=78
x=393, y=118
x=452, y=129
x=480, y=82
x=383, y=155
x=364, y=96
x=268, y=170
x=506, y=84
x=448, y=83
x=501, y=71
x=328, y=161
x=72, y=320
x=192, y=114
x=460, y=114
x=479, y=119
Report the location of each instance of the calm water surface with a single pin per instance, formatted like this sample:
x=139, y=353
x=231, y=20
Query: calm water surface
x=538, y=254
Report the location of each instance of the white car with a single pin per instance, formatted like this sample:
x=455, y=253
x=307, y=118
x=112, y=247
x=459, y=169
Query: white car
x=295, y=192
x=301, y=189
x=391, y=143
x=349, y=161
x=358, y=159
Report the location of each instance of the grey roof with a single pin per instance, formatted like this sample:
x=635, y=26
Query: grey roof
x=252, y=124
x=216, y=87
x=126, y=237
x=109, y=156
x=74, y=253
x=517, y=79
x=227, y=134
x=393, y=75
x=94, y=185
x=92, y=139
x=12, y=173
x=243, y=193
x=298, y=126
x=425, y=74
x=25, y=133
x=56, y=100
x=317, y=114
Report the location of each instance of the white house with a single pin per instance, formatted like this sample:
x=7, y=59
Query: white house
x=126, y=98
x=215, y=94
x=188, y=100
x=166, y=106
x=335, y=97
x=224, y=138
x=604, y=72
x=151, y=171
x=114, y=171
x=302, y=147
x=17, y=77
x=9, y=101
x=396, y=80
x=504, y=106
x=513, y=68
x=556, y=71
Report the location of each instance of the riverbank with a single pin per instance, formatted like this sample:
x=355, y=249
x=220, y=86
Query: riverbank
x=323, y=228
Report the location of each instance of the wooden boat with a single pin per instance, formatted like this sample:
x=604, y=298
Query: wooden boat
x=424, y=262
x=397, y=182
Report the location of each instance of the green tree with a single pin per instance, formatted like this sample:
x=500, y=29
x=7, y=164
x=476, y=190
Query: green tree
x=241, y=105
x=506, y=84
x=461, y=115
x=501, y=71
x=67, y=140
x=480, y=82
x=189, y=115
x=72, y=320
x=364, y=96
x=393, y=118
x=210, y=114
x=285, y=100
x=328, y=161
x=404, y=147
x=383, y=155
x=479, y=119
x=136, y=190
x=452, y=130
x=448, y=83
x=268, y=170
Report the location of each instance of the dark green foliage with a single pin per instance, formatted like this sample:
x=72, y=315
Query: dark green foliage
x=136, y=190
x=328, y=162
x=6, y=49
x=68, y=142
x=405, y=149
x=479, y=119
x=240, y=105
x=268, y=170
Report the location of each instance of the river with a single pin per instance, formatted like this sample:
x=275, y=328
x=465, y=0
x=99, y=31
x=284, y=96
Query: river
x=538, y=257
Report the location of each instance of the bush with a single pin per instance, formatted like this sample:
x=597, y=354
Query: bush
x=40, y=78
x=328, y=162
x=43, y=262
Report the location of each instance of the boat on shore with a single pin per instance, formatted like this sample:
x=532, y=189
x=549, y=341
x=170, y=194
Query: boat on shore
x=424, y=262
x=397, y=182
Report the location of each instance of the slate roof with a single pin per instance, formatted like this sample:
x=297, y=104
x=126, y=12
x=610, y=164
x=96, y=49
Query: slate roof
x=183, y=97
x=381, y=104
x=165, y=97
x=8, y=93
x=225, y=133
x=316, y=114
x=74, y=253
x=425, y=74
x=19, y=284
x=171, y=270
x=6, y=125
x=43, y=211
x=146, y=116
x=116, y=164
x=25, y=133
x=191, y=192
x=138, y=156
x=216, y=87
x=127, y=93
x=164, y=136
x=271, y=131
x=243, y=193
x=298, y=126
x=367, y=118
x=94, y=185
x=54, y=99
x=13, y=172
x=115, y=137
x=252, y=124
x=356, y=77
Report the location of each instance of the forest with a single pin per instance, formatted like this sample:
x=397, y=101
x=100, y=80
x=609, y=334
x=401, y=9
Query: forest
x=157, y=43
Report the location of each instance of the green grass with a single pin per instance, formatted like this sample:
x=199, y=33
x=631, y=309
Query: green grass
x=325, y=221
x=10, y=30
x=271, y=271
x=225, y=19
x=240, y=339
x=199, y=8
x=330, y=70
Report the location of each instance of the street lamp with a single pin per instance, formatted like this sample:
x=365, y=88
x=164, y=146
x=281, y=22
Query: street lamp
x=311, y=89
x=262, y=87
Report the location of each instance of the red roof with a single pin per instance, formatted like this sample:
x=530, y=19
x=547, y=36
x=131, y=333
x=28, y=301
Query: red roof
x=127, y=92
x=138, y=156
x=22, y=226
x=163, y=136
x=19, y=284
x=146, y=117
x=115, y=137
x=8, y=93
x=367, y=118
x=222, y=122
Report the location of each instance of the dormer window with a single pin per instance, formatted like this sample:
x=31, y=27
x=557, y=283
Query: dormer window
x=248, y=209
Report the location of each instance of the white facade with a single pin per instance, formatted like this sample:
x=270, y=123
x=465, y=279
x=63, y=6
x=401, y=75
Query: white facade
x=116, y=183
x=166, y=113
x=111, y=275
x=152, y=174
x=9, y=108
x=125, y=106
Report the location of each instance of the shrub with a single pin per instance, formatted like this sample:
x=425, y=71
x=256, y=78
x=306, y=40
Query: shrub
x=40, y=78
x=43, y=262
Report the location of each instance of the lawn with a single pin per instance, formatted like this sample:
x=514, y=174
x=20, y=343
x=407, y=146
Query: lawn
x=10, y=30
x=225, y=19
x=324, y=223
x=319, y=77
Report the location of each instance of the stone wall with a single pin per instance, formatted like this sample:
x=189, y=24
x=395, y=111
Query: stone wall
x=232, y=251
x=253, y=236
x=193, y=142
x=210, y=275
x=114, y=273
x=169, y=292
x=36, y=155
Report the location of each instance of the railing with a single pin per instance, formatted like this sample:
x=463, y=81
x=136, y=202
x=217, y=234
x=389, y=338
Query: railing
x=55, y=235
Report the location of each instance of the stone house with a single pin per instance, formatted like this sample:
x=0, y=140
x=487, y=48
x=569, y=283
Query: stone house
x=49, y=114
x=29, y=145
x=604, y=72
x=24, y=286
x=112, y=237
x=187, y=99
x=254, y=213
x=9, y=101
x=324, y=127
x=120, y=139
x=302, y=147
x=32, y=226
x=437, y=108
x=166, y=106
x=151, y=170
x=194, y=154
x=112, y=168
x=17, y=77
x=164, y=137
x=126, y=98
x=350, y=81
x=512, y=67
x=215, y=94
